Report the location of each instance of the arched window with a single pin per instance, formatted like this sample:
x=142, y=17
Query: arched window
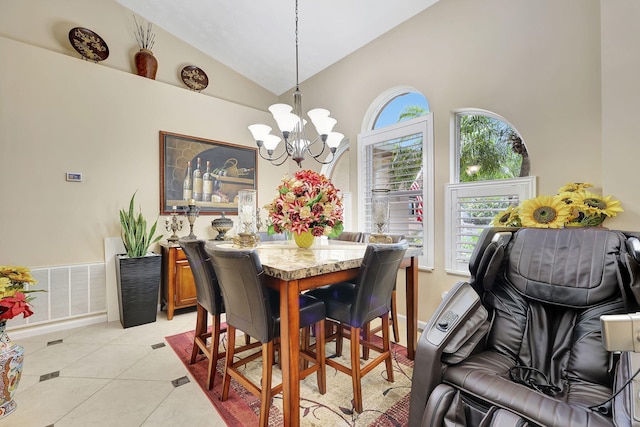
x=489, y=171
x=404, y=106
x=487, y=148
x=395, y=152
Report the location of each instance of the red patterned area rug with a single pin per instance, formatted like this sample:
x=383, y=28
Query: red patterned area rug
x=385, y=403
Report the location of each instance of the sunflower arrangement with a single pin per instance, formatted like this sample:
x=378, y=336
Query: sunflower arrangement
x=13, y=293
x=308, y=201
x=573, y=206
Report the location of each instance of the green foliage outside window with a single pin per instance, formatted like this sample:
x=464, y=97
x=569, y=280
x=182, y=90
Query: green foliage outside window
x=490, y=149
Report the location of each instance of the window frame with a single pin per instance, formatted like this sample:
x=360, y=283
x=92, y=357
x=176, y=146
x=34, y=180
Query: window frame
x=423, y=125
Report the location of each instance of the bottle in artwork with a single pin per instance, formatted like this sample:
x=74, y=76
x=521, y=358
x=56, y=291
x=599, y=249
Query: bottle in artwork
x=187, y=186
x=197, y=182
x=207, y=184
x=245, y=171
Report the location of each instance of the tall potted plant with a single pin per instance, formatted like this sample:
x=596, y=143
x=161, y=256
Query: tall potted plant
x=138, y=271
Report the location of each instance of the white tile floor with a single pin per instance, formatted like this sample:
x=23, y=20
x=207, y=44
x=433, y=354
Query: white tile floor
x=104, y=375
x=109, y=376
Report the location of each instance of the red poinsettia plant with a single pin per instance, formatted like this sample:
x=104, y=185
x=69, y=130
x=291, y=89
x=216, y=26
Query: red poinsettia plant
x=13, y=292
x=308, y=201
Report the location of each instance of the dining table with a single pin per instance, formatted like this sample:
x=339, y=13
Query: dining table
x=292, y=270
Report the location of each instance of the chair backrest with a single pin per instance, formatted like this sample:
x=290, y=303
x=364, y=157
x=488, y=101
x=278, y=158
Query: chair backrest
x=395, y=238
x=246, y=297
x=546, y=296
x=207, y=289
x=376, y=281
x=349, y=236
x=266, y=237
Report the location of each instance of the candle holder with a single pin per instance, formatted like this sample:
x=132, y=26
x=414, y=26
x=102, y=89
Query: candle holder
x=246, y=237
x=192, y=214
x=173, y=225
x=380, y=216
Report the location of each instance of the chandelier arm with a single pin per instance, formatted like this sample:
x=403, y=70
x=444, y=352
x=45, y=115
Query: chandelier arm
x=274, y=160
x=324, y=146
x=271, y=158
x=326, y=162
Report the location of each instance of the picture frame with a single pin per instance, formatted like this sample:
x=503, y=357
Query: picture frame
x=232, y=168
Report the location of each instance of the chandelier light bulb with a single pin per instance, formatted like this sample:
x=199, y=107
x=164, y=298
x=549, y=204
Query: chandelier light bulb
x=271, y=142
x=334, y=139
x=259, y=132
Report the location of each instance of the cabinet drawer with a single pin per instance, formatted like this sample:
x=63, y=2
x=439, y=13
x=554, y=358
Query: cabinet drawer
x=180, y=255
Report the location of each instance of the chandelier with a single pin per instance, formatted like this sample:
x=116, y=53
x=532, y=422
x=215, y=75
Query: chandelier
x=291, y=125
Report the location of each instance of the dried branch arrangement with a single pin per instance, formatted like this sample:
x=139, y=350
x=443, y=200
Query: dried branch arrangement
x=145, y=38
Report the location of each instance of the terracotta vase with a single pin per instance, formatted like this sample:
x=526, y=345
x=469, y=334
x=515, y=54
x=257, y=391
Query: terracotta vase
x=11, y=359
x=303, y=240
x=146, y=64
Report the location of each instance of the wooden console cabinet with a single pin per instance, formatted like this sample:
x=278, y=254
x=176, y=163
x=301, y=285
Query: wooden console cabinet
x=178, y=286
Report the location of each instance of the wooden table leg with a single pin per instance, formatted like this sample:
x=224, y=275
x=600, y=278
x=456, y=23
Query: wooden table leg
x=290, y=351
x=412, y=309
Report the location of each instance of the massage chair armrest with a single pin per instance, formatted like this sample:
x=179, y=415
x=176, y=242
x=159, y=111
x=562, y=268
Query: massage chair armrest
x=626, y=404
x=457, y=326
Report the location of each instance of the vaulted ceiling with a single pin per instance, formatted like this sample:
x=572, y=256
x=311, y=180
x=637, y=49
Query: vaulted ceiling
x=256, y=38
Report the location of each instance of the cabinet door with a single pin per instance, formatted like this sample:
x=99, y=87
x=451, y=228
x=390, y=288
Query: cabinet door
x=185, y=286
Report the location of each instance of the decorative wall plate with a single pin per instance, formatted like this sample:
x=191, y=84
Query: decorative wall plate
x=194, y=78
x=88, y=44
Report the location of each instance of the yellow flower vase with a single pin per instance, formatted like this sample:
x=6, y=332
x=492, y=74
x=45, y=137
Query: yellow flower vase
x=303, y=240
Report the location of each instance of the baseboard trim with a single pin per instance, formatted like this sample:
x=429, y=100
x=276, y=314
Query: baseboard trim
x=35, y=330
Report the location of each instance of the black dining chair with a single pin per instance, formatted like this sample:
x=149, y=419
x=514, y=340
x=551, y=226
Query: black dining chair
x=254, y=308
x=209, y=302
x=349, y=236
x=356, y=304
x=266, y=237
x=393, y=313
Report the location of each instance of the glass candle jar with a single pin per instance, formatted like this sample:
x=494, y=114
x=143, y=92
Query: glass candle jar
x=247, y=211
x=380, y=210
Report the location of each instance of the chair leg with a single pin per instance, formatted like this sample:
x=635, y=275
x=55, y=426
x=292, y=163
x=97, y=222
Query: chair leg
x=355, y=369
x=265, y=395
x=386, y=347
x=231, y=344
x=366, y=336
x=214, y=354
x=320, y=357
x=201, y=329
x=394, y=317
x=339, y=340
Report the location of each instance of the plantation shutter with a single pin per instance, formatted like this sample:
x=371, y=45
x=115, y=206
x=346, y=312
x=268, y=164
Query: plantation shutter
x=470, y=209
x=395, y=158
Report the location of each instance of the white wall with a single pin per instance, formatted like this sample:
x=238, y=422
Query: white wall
x=62, y=114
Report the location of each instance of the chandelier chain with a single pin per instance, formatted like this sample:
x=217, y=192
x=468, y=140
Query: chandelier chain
x=297, y=79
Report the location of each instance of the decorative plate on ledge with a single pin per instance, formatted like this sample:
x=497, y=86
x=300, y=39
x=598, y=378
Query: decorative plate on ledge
x=88, y=44
x=194, y=78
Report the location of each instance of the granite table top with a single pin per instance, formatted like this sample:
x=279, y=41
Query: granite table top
x=284, y=260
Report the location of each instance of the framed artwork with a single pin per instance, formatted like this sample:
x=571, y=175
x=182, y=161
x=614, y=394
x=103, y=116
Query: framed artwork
x=208, y=173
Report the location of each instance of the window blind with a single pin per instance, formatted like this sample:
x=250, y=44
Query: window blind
x=471, y=207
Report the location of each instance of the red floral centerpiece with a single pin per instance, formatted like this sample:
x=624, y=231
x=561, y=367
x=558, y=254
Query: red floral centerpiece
x=13, y=292
x=306, y=203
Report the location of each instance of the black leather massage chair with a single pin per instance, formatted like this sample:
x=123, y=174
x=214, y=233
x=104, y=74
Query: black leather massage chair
x=520, y=343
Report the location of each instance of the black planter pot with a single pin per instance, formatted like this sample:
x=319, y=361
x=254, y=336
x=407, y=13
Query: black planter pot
x=138, y=288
